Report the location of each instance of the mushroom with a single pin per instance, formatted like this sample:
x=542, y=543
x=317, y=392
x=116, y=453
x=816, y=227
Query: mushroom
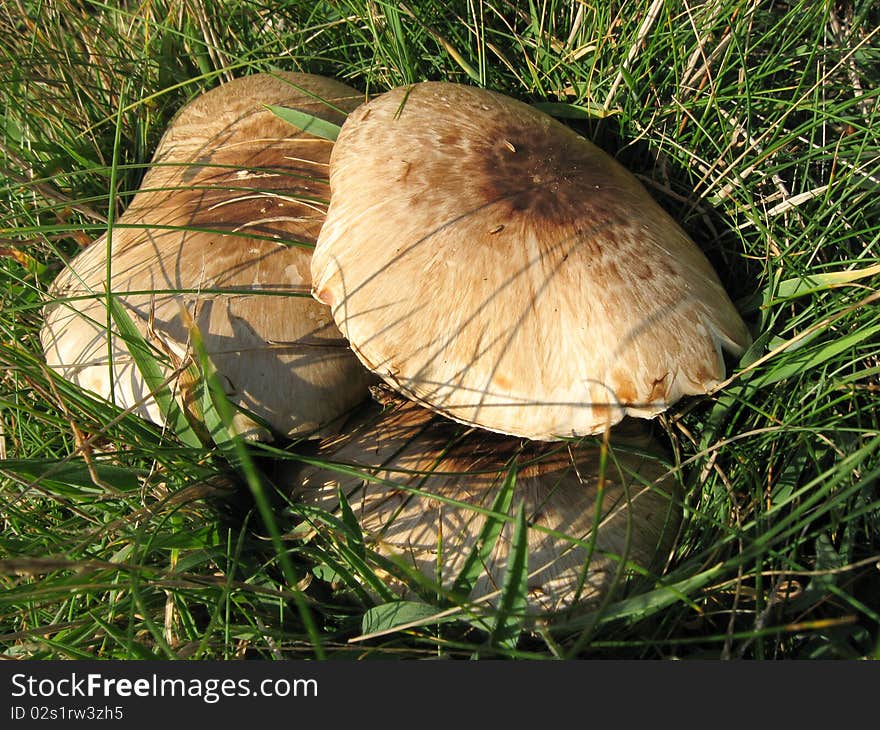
x=491, y=264
x=219, y=237
x=420, y=487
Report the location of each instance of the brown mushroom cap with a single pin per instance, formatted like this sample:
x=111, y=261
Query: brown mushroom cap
x=491, y=264
x=414, y=462
x=220, y=232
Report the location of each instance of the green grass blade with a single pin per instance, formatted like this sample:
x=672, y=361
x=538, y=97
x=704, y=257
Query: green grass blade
x=753, y=124
x=132, y=648
x=806, y=359
x=73, y=475
x=476, y=561
x=306, y=122
x=793, y=288
x=152, y=373
x=511, y=613
x=232, y=445
x=355, y=534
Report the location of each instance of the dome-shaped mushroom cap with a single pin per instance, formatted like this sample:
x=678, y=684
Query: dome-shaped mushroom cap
x=490, y=263
x=413, y=463
x=220, y=234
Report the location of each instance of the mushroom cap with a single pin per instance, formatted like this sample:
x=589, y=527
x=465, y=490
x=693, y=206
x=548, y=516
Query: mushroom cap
x=414, y=462
x=493, y=265
x=220, y=235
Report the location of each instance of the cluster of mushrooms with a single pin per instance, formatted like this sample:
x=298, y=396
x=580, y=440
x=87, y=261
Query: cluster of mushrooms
x=513, y=286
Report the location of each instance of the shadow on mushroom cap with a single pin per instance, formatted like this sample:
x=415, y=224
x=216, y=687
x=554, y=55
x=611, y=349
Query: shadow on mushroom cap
x=219, y=237
x=491, y=264
x=421, y=486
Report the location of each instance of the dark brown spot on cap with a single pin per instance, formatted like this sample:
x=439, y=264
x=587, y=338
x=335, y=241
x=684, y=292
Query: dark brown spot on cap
x=539, y=168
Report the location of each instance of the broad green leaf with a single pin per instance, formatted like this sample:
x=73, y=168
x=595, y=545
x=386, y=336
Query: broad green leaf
x=327, y=574
x=398, y=613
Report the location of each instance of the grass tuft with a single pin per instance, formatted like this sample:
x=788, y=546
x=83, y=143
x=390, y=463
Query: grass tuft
x=754, y=124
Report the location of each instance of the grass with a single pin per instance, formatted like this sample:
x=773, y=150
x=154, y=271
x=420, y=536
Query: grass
x=755, y=124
